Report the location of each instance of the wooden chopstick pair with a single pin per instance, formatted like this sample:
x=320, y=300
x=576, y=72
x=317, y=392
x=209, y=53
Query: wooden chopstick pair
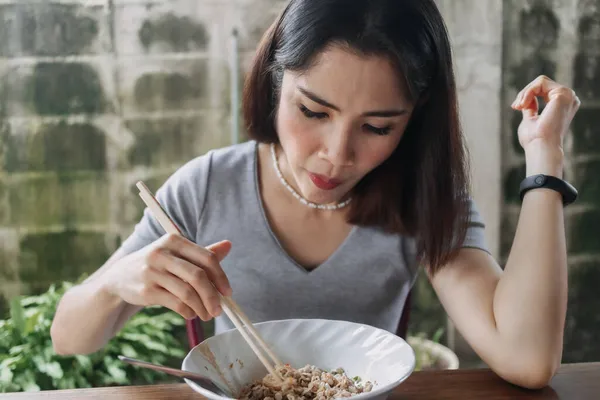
x=230, y=307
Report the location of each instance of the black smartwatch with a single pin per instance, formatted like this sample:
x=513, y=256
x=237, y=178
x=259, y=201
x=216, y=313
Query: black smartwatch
x=567, y=191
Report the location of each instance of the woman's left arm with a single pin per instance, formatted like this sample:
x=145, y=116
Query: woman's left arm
x=514, y=319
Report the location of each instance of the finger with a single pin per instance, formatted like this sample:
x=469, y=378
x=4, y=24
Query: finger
x=183, y=291
x=541, y=87
x=556, y=116
x=519, y=97
x=531, y=109
x=167, y=299
x=576, y=105
x=197, y=278
x=221, y=249
x=215, y=270
x=205, y=258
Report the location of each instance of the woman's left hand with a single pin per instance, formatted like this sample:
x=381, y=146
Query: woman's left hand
x=552, y=124
x=541, y=135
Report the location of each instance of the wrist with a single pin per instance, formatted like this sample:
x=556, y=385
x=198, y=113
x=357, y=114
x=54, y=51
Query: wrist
x=544, y=158
x=109, y=297
x=107, y=288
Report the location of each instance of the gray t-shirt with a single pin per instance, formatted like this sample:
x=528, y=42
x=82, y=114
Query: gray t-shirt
x=216, y=196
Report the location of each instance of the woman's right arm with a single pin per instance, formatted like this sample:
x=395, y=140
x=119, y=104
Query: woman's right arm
x=172, y=272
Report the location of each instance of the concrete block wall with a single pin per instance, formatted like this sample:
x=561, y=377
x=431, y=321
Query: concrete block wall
x=499, y=46
x=478, y=69
x=561, y=39
x=95, y=95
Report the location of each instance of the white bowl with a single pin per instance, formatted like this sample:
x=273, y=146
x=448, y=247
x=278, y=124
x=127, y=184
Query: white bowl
x=361, y=350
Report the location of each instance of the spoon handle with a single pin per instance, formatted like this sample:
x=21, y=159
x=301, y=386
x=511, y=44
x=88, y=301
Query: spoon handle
x=171, y=371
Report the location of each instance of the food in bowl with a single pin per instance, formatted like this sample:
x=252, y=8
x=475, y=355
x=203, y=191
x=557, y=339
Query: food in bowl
x=306, y=383
x=374, y=354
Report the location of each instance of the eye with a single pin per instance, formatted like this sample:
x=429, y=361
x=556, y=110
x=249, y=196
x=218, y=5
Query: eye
x=311, y=114
x=378, y=131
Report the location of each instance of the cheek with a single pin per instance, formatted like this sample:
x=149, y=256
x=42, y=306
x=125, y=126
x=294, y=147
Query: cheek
x=297, y=135
x=376, y=153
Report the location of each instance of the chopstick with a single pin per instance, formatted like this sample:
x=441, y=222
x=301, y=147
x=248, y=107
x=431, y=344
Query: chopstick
x=230, y=307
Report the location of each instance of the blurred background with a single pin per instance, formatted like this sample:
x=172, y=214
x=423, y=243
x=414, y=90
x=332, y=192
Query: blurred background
x=97, y=94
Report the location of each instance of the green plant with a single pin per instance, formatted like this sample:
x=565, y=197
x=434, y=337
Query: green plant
x=436, y=337
x=423, y=358
x=29, y=363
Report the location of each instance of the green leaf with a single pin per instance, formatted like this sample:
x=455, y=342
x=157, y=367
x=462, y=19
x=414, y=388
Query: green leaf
x=155, y=335
x=177, y=352
x=40, y=300
x=148, y=375
x=437, y=335
x=136, y=337
x=54, y=370
x=31, y=387
x=19, y=350
x=81, y=382
x=31, y=322
x=117, y=373
x=49, y=352
x=9, y=362
x=128, y=351
x=28, y=361
x=84, y=361
x=9, y=387
x=157, y=346
x=6, y=375
x=27, y=381
x=67, y=383
x=17, y=314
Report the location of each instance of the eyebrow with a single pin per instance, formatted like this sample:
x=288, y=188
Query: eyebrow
x=325, y=103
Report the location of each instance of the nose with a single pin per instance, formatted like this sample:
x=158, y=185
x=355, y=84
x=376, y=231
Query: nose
x=338, y=149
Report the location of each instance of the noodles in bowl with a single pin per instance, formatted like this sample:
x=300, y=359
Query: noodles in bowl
x=306, y=383
x=325, y=359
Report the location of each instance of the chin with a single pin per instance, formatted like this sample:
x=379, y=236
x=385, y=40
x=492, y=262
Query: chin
x=313, y=198
x=322, y=196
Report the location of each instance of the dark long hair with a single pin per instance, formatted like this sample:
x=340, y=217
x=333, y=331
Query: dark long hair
x=422, y=189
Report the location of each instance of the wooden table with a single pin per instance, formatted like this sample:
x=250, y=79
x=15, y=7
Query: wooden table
x=572, y=382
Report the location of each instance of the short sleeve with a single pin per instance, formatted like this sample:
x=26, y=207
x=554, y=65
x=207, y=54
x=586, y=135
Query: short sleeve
x=475, y=237
x=182, y=197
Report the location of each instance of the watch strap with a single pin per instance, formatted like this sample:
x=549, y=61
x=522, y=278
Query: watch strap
x=567, y=191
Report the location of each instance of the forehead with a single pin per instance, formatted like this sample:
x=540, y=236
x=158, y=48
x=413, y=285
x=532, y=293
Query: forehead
x=352, y=80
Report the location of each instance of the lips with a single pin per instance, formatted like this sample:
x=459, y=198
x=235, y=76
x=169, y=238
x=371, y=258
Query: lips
x=322, y=182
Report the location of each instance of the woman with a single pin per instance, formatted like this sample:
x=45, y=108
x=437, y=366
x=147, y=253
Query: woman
x=355, y=176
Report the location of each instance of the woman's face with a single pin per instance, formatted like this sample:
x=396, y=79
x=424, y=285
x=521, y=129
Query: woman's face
x=338, y=121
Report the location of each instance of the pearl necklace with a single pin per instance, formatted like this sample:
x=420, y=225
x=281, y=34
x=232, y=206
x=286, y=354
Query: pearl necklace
x=296, y=195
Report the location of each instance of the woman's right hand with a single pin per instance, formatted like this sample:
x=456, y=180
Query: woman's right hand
x=175, y=273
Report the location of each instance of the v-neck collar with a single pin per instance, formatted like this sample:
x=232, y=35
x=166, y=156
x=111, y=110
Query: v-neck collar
x=259, y=202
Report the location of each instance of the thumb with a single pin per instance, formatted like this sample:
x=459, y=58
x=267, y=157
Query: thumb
x=221, y=249
x=531, y=109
